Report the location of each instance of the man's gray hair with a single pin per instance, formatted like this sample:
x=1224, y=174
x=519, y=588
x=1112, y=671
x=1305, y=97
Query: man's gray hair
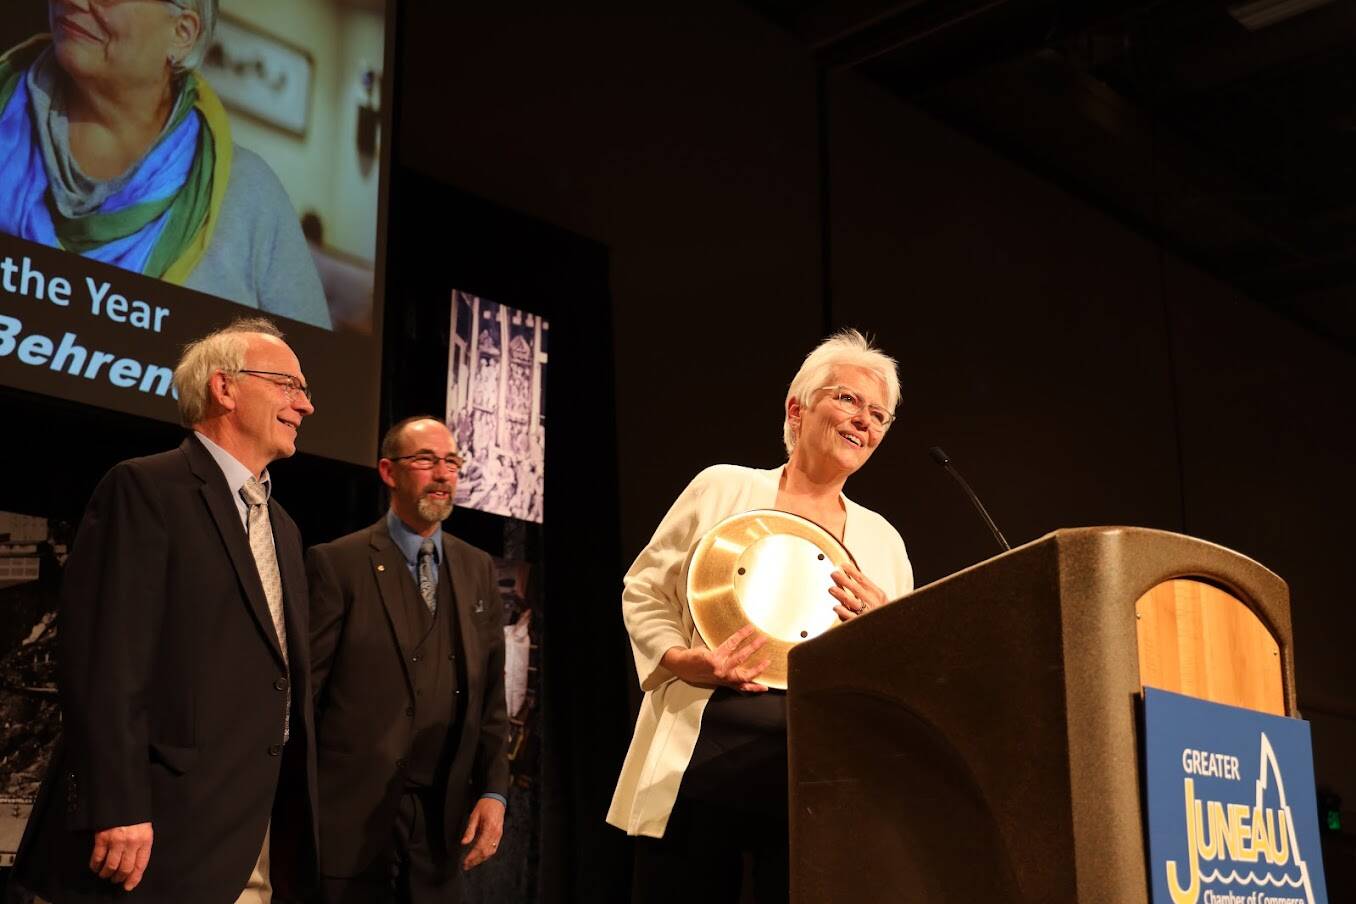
x=846, y=348
x=222, y=351
x=207, y=19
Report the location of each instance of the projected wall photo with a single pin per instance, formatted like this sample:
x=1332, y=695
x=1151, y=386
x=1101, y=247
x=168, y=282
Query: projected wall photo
x=214, y=198
x=247, y=178
x=496, y=391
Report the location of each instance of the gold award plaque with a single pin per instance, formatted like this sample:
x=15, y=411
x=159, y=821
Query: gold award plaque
x=771, y=569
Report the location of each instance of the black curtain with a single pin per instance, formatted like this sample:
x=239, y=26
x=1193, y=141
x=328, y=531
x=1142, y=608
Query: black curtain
x=485, y=250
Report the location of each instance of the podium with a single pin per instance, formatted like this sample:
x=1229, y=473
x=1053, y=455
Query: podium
x=978, y=741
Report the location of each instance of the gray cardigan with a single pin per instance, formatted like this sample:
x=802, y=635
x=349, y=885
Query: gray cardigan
x=258, y=256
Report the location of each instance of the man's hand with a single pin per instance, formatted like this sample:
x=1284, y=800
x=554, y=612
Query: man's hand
x=121, y=854
x=727, y=665
x=483, y=831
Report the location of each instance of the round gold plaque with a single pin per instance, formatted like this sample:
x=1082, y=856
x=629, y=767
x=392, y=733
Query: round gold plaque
x=771, y=569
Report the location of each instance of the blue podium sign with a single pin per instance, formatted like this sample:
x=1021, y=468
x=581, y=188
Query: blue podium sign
x=1231, y=808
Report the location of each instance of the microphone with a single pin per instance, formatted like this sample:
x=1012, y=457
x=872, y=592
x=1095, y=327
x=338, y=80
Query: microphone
x=941, y=458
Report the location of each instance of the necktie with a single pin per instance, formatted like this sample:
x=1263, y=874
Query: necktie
x=260, y=531
x=427, y=588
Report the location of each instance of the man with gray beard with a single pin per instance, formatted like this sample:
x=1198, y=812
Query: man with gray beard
x=407, y=648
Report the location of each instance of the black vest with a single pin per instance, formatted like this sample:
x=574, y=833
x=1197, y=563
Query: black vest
x=433, y=670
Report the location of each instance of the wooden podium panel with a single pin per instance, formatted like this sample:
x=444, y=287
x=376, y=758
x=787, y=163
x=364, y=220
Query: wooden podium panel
x=1198, y=640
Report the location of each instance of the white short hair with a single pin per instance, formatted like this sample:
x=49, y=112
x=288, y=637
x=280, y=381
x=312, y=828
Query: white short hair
x=207, y=19
x=845, y=348
x=222, y=351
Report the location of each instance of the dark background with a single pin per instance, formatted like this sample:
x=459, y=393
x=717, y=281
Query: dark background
x=1078, y=365
x=694, y=198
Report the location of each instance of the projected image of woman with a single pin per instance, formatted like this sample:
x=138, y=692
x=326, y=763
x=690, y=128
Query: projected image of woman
x=116, y=148
x=704, y=783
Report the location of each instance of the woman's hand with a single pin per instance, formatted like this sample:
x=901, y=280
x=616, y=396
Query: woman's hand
x=855, y=592
x=725, y=666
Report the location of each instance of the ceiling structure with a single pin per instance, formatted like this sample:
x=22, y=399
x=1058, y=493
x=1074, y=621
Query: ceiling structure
x=1226, y=129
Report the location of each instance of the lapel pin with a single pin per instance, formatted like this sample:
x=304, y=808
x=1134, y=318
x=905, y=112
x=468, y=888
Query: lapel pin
x=480, y=606
x=381, y=568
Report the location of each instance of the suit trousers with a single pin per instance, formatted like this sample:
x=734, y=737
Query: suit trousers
x=416, y=868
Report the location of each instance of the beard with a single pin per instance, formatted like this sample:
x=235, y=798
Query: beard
x=431, y=509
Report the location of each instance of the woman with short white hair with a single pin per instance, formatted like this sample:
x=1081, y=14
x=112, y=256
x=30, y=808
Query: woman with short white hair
x=704, y=781
x=116, y=148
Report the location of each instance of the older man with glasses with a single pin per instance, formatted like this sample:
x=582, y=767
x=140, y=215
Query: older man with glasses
x=186, y=765
x=407, y=643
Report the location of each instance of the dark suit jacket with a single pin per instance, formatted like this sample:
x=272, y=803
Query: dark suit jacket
x=360, y=642
x=172, y=693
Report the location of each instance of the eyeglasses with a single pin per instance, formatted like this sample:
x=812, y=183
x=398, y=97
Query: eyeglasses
x=289, y=384
x=847, y=399
x=427, y=461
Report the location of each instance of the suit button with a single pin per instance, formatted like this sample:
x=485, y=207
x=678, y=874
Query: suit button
x=72, y=807
x=414, y=659
x=400, y=764
x=274, y=749
x=280, y=684
x=409, y=711
x=450, y=656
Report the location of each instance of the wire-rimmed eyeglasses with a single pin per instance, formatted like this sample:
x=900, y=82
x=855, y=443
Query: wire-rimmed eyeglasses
x=289, y=384
x=427, y=461
x=847, y=398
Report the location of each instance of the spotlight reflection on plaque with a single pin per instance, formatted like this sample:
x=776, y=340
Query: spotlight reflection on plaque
x=768, y=568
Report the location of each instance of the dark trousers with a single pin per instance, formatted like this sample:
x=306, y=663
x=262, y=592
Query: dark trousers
x=417, y=869
x=731, y=812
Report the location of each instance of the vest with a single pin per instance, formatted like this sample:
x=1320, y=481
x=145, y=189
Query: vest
x=433, y=666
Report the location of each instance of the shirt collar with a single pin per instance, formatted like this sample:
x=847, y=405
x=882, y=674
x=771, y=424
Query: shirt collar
x=409, y=542
x=236, y=474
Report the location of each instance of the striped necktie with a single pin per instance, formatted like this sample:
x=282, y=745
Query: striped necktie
x=260, y=531
x=428, y=589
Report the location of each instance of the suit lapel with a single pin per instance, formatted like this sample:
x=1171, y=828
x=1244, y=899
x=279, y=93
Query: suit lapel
x=390, y=569
x=468, y=598
x=227, y=517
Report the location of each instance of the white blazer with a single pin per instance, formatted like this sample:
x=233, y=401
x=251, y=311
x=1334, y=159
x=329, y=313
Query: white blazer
x=654, y=607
